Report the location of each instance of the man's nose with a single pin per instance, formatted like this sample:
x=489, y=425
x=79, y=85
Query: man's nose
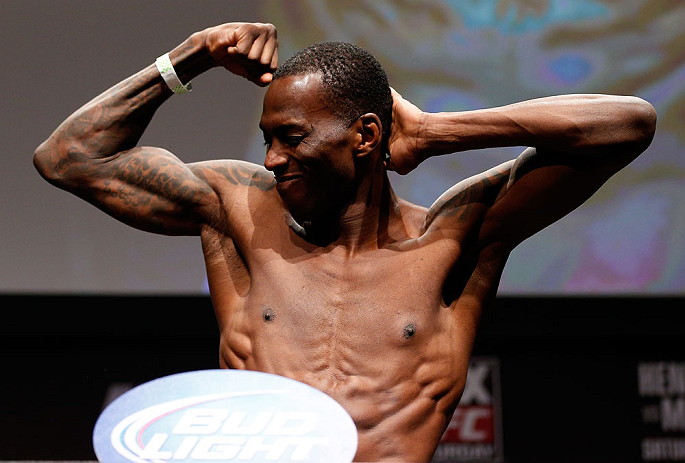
x=275, y=159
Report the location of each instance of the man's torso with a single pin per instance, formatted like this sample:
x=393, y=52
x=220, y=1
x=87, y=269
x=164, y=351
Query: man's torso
x=388, y=332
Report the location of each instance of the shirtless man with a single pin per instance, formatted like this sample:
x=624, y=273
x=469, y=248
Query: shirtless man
x=317, y=270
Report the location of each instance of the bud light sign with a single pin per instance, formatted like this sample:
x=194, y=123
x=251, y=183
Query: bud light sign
x=224, y=415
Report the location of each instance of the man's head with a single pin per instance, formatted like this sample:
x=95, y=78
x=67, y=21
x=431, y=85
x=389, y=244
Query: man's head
x=353, y=82
x=326, y=119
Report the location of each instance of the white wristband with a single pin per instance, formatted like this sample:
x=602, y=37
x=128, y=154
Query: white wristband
x=168, y=73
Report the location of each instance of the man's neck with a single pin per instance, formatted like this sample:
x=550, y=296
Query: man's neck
x=366, y=223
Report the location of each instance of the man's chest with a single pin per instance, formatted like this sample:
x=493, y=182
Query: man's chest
x=382, y=299
x=390, y=295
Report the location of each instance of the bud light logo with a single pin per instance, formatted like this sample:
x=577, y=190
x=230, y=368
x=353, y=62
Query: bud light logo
x=224, y=415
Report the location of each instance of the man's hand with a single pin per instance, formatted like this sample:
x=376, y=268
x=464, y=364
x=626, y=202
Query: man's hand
x=406, y=132
x=249, y=50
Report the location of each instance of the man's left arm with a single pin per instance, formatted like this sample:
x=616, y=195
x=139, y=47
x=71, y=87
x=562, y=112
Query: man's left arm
x=576, y=143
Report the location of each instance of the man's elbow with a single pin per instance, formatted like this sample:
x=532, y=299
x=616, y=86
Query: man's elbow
x=42, y=162
x=642, y=122
x=50, y=162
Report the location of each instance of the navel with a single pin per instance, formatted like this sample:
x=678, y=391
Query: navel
x=409, y=330
x=268, y=315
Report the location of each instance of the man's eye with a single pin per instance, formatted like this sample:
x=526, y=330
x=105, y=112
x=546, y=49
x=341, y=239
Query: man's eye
x=293, y=140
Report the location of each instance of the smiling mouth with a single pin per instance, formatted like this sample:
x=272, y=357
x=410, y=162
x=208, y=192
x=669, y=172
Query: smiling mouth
x=287, y=178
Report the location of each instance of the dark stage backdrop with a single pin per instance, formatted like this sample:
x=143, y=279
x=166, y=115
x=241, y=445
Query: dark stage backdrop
x=442, y=55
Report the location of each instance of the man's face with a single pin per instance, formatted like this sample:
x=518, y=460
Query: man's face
x=309, y=149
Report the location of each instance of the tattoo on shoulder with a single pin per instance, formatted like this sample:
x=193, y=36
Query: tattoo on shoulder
x=243, y=174
x=462, y=200
x=158, y=175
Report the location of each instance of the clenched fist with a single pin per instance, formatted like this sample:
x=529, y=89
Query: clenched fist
x=249, y=50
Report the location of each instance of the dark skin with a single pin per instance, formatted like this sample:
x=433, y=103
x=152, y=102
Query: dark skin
x=317, y=270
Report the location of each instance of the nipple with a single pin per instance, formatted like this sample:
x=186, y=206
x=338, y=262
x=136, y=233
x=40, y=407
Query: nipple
x=409, y=330
x=268, y=315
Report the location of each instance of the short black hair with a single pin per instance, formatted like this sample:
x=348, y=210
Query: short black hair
x=353, y=81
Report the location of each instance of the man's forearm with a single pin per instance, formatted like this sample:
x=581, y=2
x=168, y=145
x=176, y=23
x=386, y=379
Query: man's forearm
x=574, y=124
x=116, y=119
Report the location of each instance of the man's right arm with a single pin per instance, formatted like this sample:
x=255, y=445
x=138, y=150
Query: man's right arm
x=93, y=153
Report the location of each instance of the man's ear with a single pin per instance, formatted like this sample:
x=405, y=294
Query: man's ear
x=369, y=134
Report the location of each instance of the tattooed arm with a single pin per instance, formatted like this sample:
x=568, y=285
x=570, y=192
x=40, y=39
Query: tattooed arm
x=93, y=153
x=577, y=142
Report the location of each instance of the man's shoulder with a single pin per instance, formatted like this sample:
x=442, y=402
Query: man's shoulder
x=475, y=193
x=241, y=187
x=228, y=173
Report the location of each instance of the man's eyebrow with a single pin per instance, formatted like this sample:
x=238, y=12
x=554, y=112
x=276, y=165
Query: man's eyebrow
x=283, y=128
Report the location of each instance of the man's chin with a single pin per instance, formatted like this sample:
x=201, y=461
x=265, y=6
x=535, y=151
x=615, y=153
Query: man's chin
x=307, y=213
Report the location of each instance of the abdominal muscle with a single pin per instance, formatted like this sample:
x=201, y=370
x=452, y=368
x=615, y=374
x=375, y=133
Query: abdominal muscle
x=388, y=350
x=399, y=387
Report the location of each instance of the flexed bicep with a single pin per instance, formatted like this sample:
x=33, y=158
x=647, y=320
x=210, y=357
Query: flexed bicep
x=93, y=153
x=149, y=189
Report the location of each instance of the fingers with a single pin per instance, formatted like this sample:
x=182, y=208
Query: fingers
x=387, y=161
x=249, y=50
x=262, y=48
x=393, y=167
x=255, y=51
x=267, y=77
x=267, y=55
x=395, y=95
